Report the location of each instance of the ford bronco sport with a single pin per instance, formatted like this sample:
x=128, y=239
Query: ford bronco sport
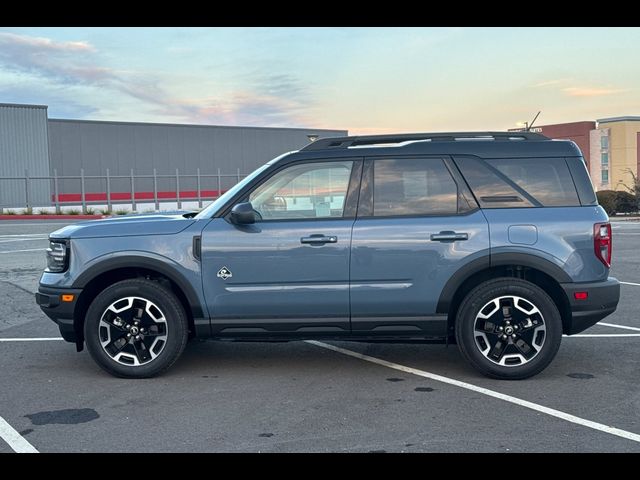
x=494, y=241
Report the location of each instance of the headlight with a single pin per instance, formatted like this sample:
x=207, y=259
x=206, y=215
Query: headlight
x=57, y=257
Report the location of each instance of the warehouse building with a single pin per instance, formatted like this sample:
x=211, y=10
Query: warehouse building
x=33, y=144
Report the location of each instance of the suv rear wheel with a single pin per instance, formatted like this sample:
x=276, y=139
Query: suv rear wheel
x=135, y=328
x=508, y=328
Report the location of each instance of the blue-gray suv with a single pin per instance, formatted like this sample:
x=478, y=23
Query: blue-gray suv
x=494, y=241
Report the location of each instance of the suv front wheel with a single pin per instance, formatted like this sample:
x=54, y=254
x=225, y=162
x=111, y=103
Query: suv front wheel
x=508, y=328
x=135, y=328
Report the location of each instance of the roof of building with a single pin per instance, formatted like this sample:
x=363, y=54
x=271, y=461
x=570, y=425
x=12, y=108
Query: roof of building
x=22, y=105
x=196, y=125
x=627, y=118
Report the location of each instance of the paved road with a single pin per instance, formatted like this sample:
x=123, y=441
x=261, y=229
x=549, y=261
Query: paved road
x=301, y=397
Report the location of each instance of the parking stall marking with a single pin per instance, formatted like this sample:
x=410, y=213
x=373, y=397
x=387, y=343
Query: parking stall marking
x=615, y=325
x=42, y=339
x=600, y=335
x=24, y=235
x=16, y=441
x=27, y=250
x=485, y=391
x=29, y=239
x=631, y=283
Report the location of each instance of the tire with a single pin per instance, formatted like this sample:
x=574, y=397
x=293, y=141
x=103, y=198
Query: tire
x=511, y=306
x=161, y=328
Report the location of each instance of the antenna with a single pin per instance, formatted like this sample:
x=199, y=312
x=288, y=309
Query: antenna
x=527, y=126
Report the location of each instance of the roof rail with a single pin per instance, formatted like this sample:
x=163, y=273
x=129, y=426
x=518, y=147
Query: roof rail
x=389, y=140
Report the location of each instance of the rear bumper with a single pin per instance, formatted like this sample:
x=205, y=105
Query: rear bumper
x=602, y=300
x=49, y=300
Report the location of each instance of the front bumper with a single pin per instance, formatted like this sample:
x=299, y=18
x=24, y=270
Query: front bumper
x=602, y=300
x=50, y=301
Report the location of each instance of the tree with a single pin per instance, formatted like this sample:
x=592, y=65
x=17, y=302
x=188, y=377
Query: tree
x=634, y=188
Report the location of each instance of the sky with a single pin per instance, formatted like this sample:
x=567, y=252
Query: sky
x=365, y=80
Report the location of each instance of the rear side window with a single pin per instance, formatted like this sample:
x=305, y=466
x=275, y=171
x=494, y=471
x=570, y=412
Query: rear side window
x=415, y=186
x=520, y=182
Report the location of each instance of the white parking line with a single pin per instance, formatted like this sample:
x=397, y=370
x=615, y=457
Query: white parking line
x=624, y=327
x=30, y=339
x=631, y=283
x=585, y=335
x=27, y=250
x=485, y=391
x=16, y=441
x=25, y=235
x=29, y=239
x=16, y=223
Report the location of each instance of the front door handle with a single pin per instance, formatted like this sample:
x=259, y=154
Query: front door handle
x=319, y=239
x=449, y=236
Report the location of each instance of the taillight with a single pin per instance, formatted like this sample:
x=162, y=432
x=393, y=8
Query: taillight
x=602, y=242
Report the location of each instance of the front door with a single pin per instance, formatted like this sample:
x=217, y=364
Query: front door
x=417, y=225
x=288, y=273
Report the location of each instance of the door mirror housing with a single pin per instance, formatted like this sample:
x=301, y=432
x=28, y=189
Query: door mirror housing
x=243, y=214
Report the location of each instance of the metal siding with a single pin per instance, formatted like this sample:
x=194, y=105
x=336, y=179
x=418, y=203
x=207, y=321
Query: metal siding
x=120, y=147
x=23, y=145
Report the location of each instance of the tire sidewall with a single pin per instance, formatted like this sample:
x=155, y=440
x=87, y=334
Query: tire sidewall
x=488, y=291
x=168, y=304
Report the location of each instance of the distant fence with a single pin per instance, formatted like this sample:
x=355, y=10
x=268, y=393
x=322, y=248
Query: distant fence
x=84, y=190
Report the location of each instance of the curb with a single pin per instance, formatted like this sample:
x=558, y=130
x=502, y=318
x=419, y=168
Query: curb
x=52, y=217
x=624, y=219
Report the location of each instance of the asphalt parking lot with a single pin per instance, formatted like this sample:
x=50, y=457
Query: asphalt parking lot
x=301, y=396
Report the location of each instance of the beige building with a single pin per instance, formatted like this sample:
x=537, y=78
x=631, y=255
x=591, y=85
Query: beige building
x=614, y=148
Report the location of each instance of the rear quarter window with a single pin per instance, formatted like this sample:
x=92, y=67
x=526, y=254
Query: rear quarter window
x=520, y=182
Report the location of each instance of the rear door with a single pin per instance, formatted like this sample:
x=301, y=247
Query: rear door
x=417, y=224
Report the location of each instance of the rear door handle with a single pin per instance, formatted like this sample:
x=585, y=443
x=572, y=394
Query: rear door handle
x=449, y=236
x=319, y=239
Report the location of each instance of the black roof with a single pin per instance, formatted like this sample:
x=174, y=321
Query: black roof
x=482, y=144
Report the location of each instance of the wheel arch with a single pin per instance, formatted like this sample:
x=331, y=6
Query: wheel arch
x=111, y=270
x=536, y=270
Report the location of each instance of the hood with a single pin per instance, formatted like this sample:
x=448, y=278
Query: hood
x=129, y=225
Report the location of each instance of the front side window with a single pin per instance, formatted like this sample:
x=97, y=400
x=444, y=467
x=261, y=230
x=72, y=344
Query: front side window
x=415, y=186
x=307, y=190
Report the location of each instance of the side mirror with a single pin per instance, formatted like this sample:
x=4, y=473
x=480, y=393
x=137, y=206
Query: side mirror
x=243, y=214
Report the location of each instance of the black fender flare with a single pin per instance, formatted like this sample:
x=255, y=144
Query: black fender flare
x=163, y=267
x=496, y=260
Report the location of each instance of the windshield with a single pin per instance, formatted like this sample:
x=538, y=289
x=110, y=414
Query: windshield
x=214, y=206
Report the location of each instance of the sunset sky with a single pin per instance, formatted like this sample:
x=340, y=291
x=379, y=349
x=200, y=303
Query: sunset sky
x=366, y=80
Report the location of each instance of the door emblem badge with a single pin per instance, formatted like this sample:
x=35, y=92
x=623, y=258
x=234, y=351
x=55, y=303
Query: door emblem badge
x=224, y=273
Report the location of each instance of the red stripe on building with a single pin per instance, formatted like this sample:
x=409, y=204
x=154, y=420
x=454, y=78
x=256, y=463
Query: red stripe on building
x=120, y=196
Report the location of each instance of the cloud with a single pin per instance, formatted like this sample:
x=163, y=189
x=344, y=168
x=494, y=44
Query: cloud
x=591, y=91
x=66, y=62
x=240, y=108
x=67, y=104
x=43, y=44
x=273, y=99
x=550, y=83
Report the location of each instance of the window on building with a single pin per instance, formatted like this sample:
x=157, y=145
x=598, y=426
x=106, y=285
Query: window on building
x=604, y=158
x=604, y=142
x=414, y=187
x=604, y=175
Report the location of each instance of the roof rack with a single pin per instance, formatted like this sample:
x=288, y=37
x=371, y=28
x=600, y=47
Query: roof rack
x=402, y=139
